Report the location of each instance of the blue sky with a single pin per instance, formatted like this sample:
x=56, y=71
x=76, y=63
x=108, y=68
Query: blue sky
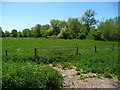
x=21, y=15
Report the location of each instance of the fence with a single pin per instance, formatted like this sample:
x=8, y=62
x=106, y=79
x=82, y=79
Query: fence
x=56, y=50
x=68, y=49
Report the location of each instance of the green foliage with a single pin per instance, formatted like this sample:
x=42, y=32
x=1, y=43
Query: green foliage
x=19, y=34
x=109, y=29
x=1, y=33
x=49, y=32
x=91, y=33
x=70, y=68
x=104, y=60
x=73, y=26
x=97, y=35
x=57, y=25
x=54, y=64
x=78, y=73
x=14, y=33
x=83, y=29
x=44, y=28
x=107, y=75
x=64, y=33
x=36, y=31
x=7, y=34
x=84, y=72
x=89, y=19
x=26, y=33
x=66, y=66
x=77, y=69
x=81, y=36
x=30, y=75
x=83, y=77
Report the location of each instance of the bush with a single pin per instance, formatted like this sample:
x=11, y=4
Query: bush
x=81, y=36
x=30, y=75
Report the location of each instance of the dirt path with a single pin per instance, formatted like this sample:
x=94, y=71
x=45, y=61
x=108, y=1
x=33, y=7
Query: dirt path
x=72, y=80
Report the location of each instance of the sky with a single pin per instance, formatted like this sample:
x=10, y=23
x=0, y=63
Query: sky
x=21, y=15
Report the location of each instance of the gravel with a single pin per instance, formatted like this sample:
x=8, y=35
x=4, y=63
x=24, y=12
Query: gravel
x=71, y=80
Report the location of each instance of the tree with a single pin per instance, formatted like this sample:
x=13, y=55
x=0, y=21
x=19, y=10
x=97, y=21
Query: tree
x=81, y=36
x=89, y=19
x=83, y=29
x=44, y=29
x=64, y=33
x=49, y=32
x=14, y=33
x=57, y=25
x=91, y=33
x=19, y=34
x=118, y=28
x=7, y=34
x=97, y=35
x=73, y=26
x=1, y=33
x=26, y=32
x=109, y=29
x=36, y=30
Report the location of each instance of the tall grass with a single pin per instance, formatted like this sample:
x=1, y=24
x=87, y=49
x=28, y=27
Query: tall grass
x=104, y=60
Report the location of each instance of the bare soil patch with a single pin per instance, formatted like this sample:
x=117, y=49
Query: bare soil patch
x=72, y=80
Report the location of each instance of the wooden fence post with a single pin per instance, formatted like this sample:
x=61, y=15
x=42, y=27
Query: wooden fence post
x=35, y=51
x=77, y=50
x=95, y=48
x=113, y=47
x=6, y=53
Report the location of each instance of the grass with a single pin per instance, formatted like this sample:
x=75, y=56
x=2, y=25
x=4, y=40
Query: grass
x=25, y=46
x=104, y=60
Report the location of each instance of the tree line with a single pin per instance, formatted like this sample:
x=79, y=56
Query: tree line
x=73, y=28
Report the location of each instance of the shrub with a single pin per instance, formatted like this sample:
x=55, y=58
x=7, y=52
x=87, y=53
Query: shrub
x=30, y=75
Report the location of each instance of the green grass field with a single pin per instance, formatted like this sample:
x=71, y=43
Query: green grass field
x=25, y=46
x=104, y=61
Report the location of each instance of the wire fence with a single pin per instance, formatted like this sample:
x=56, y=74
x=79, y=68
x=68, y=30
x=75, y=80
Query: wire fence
x=67, y=50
